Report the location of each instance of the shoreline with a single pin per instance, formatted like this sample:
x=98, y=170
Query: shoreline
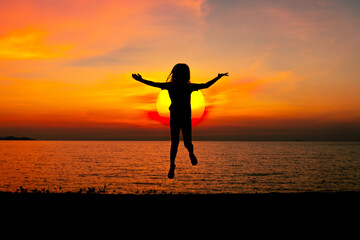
x=243, y=205
x=262, y=197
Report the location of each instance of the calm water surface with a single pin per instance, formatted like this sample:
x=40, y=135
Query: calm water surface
x=141, y=166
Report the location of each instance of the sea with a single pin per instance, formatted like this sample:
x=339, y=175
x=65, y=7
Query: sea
x=141, y=167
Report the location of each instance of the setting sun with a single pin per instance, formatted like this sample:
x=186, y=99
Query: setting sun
x=197, y=104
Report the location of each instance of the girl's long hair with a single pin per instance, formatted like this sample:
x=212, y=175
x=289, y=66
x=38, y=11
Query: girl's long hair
x=179, y=74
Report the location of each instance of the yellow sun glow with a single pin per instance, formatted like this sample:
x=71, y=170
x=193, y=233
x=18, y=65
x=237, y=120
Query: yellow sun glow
x=197, y=104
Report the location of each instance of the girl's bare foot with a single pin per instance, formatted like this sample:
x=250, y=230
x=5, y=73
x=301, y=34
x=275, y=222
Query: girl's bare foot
x=171, y=173
x=193, y=159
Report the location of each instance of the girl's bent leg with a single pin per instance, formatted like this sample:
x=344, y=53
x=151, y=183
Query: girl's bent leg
x=187, y=136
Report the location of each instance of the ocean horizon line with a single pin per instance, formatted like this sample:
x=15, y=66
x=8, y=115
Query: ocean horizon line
x=195, y=140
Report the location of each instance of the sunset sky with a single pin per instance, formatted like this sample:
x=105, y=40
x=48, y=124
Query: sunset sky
x=294, y=67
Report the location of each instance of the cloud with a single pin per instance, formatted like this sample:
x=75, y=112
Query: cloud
x=29, y=44
x=122, y=56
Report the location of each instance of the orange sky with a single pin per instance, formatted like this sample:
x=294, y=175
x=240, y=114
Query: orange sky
x=65, y=67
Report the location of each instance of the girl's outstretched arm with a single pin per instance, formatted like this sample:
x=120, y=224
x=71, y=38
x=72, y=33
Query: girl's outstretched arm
x=211, y=82
x=138, y=77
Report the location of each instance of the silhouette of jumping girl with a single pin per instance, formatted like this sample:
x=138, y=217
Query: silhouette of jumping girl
x=180, y=89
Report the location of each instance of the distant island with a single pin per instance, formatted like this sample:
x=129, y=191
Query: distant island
x=15, y=138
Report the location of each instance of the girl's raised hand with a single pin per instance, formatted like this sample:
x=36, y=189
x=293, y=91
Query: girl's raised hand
x=137, y=77
x=223, y=74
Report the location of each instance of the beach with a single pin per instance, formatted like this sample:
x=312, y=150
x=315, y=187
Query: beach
x=306, y=197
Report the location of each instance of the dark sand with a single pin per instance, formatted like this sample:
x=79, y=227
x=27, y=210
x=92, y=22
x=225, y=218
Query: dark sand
x=268, y=208
x=258, y=197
